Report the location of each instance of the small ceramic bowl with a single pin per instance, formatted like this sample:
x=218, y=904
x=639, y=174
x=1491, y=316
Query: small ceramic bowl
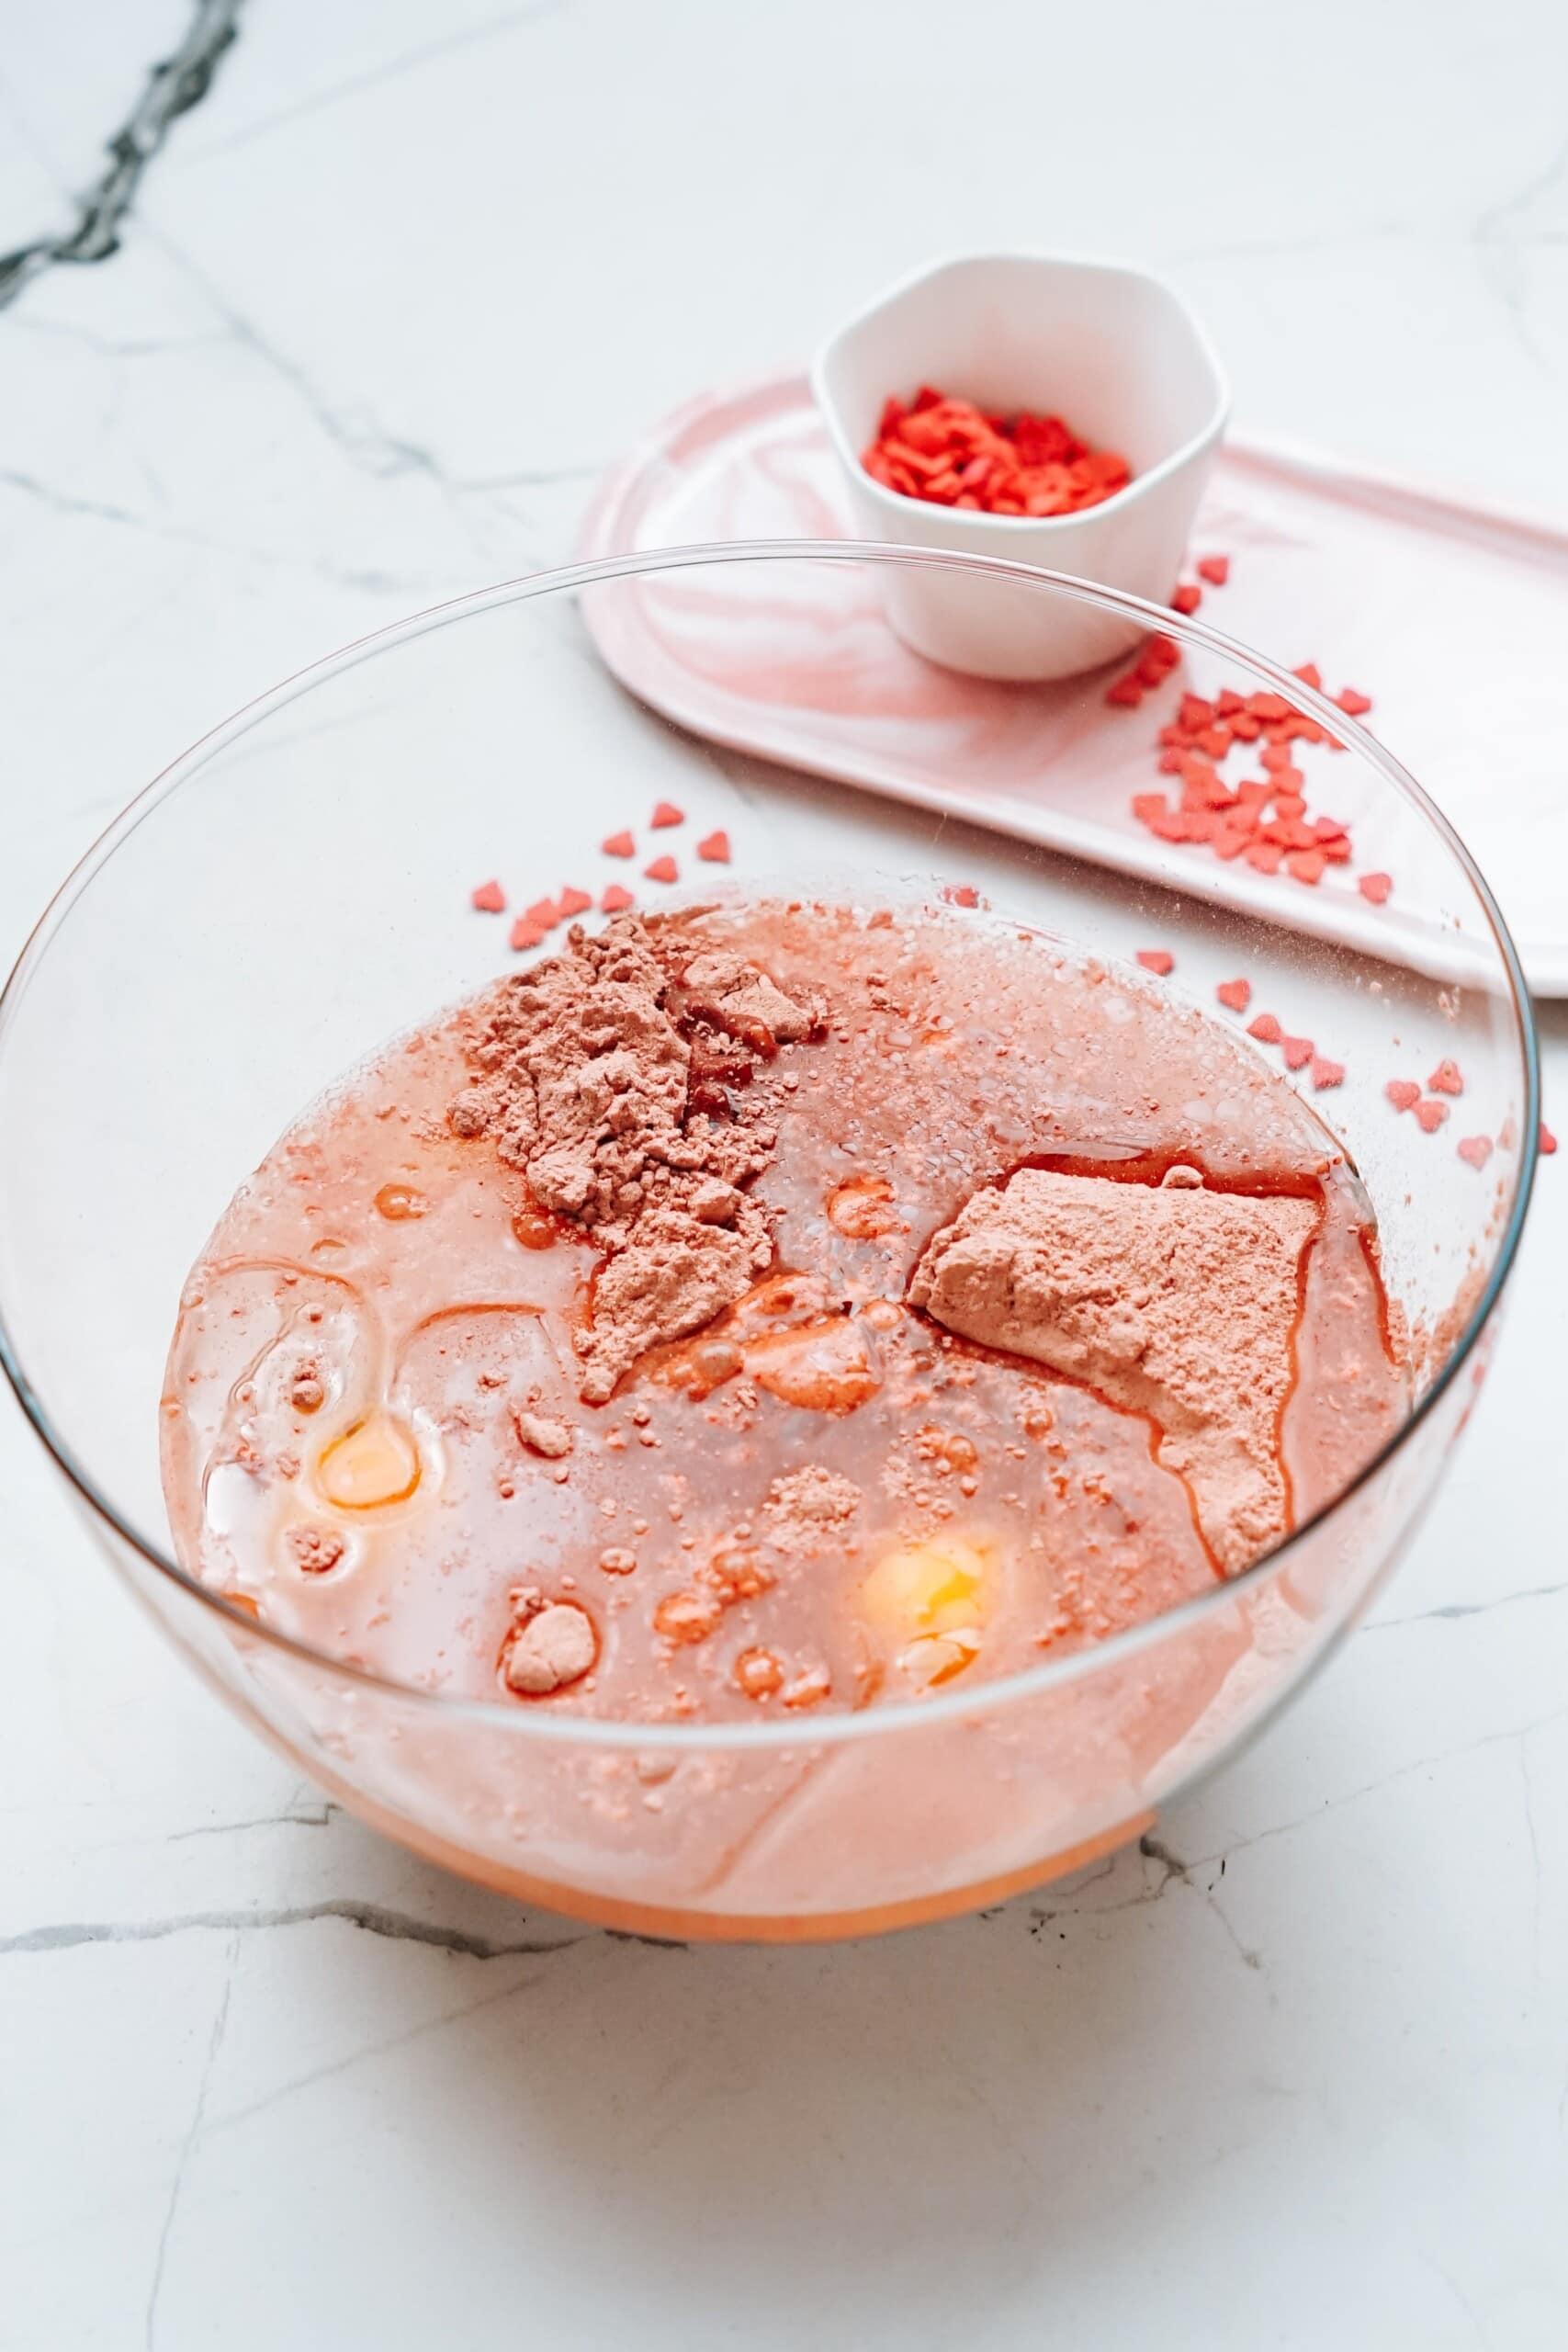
x=1113, y=350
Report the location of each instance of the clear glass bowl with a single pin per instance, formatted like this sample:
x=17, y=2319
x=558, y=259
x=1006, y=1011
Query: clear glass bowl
x=292, y=892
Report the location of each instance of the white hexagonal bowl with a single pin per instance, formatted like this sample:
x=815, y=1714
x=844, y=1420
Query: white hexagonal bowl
x=1113, y=349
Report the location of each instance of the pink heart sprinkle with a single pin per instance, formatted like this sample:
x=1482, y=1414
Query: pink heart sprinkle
x=1430, y=1116
x=1403, y=1092
x=1298, y=1052
x=1326, y=1073
x=1446, y=1080
x=1477, y=1149
x=1375, y=887
x=1266, y=1029
x=1236, y=995
x=489, y=899
x=1159, y=960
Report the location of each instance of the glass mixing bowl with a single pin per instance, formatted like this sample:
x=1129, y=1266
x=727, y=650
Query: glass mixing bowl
x=293, y=892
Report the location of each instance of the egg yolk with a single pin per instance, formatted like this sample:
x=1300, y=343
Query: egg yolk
x=374, y=1461
x=928, y=1600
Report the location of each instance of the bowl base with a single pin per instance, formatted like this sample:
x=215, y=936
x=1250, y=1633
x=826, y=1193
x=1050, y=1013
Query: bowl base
x=666, y=1923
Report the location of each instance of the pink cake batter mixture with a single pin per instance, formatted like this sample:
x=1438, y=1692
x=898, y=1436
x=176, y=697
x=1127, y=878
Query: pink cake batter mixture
x=770, y=1309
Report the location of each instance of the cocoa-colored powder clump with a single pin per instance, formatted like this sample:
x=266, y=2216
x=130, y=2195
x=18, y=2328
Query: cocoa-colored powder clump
x=809, y=1509
x=614, y=1077
x=1176, y=1301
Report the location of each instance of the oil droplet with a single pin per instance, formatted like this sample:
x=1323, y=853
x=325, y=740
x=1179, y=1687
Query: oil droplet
x=757, y=1673
x=244, y=1602
x=687, y=1616
x=397, y=1202
x=737, y=1574
x=534, y=1229
x=374, y=1461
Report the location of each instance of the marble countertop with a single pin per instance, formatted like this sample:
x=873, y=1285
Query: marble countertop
x=366, y=298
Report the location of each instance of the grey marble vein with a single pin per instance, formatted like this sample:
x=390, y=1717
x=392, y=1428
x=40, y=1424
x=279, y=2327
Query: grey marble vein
x=1173, y=1871
x=1450, y=1609
x=374, y=1919
x=1181, y=1873
x=1501, y=242
x=175, y=86
x=353, y=84
x=322, y=1818
x=363, y=578
x=232, y=2118
x=189, y=2145
x=1427, y=1763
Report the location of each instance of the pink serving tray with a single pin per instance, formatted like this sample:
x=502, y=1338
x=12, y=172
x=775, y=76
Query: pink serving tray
x=1454, y=619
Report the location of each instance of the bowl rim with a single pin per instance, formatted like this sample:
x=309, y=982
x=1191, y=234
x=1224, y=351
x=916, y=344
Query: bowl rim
x=841, y=1726
x=900, y=509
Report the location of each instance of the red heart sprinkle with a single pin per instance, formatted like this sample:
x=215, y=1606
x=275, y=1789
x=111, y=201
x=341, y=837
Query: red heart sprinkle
x=1375, y=887
x=619, y=845
x=1187, y=598
x=573, y=902
x=525, y=934
x=1326, y=1073
x=1354, y=704
x=666, y=813
x=1266, y=1029
x=1446, y=1080
x=1298, y=1052
x=1548, y=1141
x=663, y=869
x=1477, y=1149
x=960, y=894
x=1159, y=960
x=615, y=899
x=545, y=912
x=715, y=847
x=1236, y=995
x=1403, y=1092
x=1430, y=1116
x=1215, y=568
x=489, y=899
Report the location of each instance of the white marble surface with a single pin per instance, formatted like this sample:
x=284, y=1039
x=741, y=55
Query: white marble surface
x=389, y=295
